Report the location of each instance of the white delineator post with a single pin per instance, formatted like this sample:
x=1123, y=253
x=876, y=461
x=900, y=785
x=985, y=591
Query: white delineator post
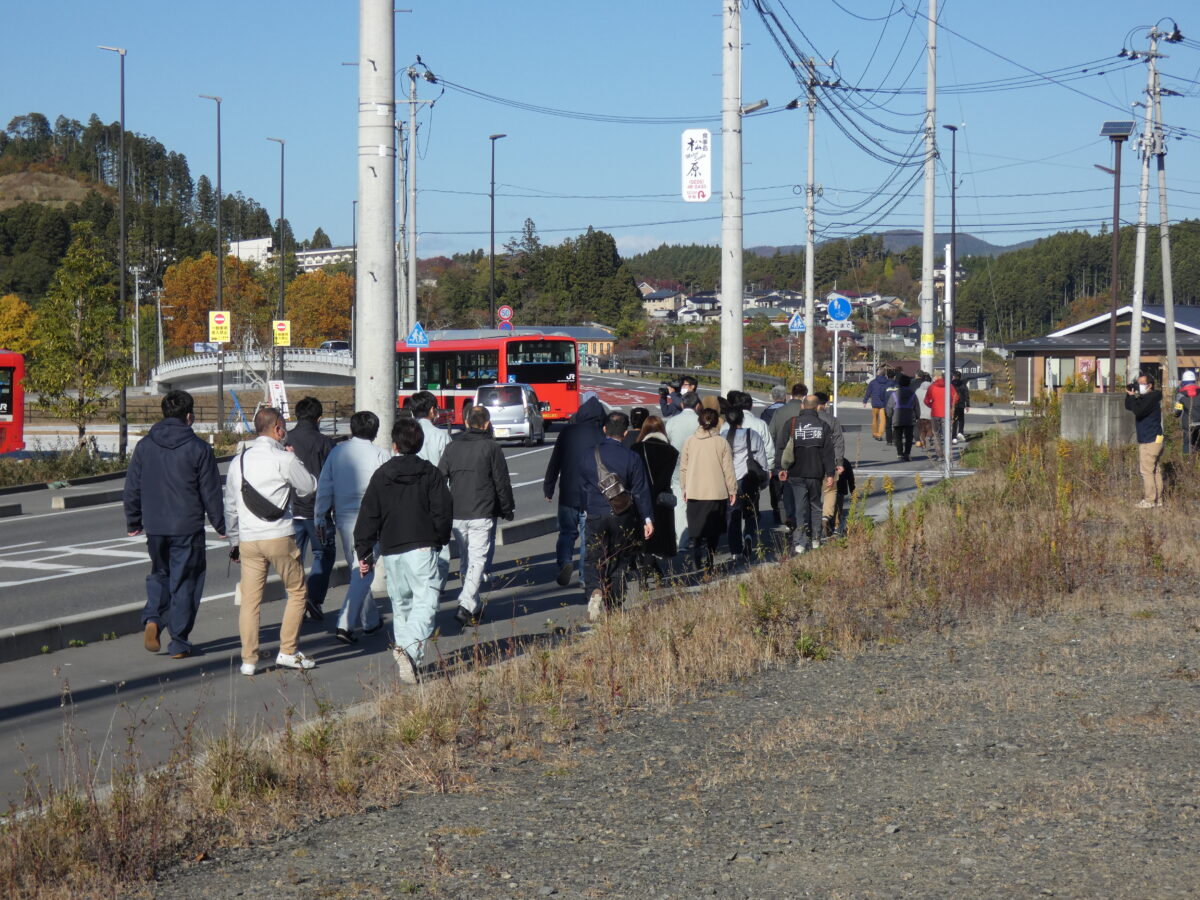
x=731, y=198
x=375, y=268
x=928, y=297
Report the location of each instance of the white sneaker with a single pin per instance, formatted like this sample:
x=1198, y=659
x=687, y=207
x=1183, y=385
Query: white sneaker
x=1145, y=504
x=294, y=661
x=800, y=548
x=249, y=669
x=816, y=545
x=954, y=440
x=595, y=606
x=405, y=667
x=960, y=437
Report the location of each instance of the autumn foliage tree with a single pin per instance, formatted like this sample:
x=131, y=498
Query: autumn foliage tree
x=17, y=324
x=190, y=292
x=82, y=358
x=318, y=306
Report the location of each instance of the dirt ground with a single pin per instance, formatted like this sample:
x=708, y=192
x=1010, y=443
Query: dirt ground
x=1041, y=757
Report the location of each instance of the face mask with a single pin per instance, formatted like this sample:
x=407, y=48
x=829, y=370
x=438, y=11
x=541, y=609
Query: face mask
x=685, y=389
x=1142, y=388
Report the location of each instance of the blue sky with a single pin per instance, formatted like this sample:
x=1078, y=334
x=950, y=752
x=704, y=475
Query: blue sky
x=1025, y=156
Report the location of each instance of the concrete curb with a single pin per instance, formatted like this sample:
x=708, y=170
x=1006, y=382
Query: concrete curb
x=516, y=532
x=76, y=501
x=12, y=509
x=98, y=625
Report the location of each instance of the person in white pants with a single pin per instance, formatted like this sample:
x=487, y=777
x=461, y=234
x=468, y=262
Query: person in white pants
x=344, y=478
x=482, y=491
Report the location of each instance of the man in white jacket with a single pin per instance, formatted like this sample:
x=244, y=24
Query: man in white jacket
x=344, y=479
x=259, y=521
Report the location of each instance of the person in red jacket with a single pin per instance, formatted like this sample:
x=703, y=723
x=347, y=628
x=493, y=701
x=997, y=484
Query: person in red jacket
x=935, y=399
x=1187, y=409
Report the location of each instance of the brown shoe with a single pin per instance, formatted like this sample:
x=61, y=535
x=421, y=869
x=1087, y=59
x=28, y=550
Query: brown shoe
x=182, y=654
x=150, y=637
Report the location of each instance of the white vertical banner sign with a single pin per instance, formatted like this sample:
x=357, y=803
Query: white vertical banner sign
x=697, y=165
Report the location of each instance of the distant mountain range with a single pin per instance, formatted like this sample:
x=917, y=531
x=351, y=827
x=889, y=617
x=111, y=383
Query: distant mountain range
x=899, y=241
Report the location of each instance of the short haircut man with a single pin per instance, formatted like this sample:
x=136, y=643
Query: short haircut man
x=478, y=419
x=689, y=380
x=778, y=394
x=177, y=405
x=309, y=408
x=812, y=401
x=172, y=483
x=616, y=425
x=691, y=400
x=266, y=420
x=422, y=404
x=407, y=436
x=799, y=390
x=364, y=424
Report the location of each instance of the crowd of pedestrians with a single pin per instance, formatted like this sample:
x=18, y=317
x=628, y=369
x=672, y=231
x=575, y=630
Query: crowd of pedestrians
x=640, y=497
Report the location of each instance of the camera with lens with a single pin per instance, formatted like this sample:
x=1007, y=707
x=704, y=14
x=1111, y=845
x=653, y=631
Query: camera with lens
x=1132, y=386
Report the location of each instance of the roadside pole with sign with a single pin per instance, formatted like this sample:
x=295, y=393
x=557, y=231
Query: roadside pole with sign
x=839, y=311
x=697, y=165
x=417, y=338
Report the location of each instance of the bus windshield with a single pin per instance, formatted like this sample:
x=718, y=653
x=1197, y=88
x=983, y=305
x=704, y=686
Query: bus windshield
x=541, y=362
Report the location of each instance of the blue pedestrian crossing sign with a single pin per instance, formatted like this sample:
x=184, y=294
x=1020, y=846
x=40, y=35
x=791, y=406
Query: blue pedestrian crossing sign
x=839, y=309
x=417, y=337
x=796, y=323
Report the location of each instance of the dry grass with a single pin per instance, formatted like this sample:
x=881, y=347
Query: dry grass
x=1045, y=526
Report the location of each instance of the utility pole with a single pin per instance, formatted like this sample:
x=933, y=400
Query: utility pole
x=928, y=298
x=731, y=197
x=1154, y=144
x=281, y=252
x=810, y=194
x=1134, y=366
x=375, y=262
x=410, y=300
x=401, y=311
x=220, y=278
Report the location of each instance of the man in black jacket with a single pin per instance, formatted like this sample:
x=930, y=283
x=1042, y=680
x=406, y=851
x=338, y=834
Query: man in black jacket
x=171, y=484
x=406, y=510
x=1145, y=402
x=805, y=462
x=312, y=447
x=582, y=434
x=482, y=492
x=612, y=537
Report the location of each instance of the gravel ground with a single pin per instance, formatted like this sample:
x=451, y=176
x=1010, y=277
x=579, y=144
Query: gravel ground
x=1053, y=757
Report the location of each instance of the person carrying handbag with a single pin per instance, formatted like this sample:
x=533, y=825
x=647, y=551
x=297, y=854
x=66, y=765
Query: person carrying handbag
x=751, y=473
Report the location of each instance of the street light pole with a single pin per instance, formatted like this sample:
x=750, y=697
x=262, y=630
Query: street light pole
x=280, y=250
x=952, y=261
x=122, y=409
x=492, y=252
x=1118, y=133
x=220, y=275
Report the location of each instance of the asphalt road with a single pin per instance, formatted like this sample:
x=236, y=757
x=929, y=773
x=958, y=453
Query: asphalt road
x=74, y=705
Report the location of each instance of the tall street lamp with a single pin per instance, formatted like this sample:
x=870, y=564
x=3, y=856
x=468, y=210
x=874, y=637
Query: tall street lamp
x=220, y=275
x=952, y=262
x=280, y=250
x=492, y=253
x=122, y=411
x=1118, y=133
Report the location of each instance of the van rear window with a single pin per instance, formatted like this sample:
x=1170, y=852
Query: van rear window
x=504, y=395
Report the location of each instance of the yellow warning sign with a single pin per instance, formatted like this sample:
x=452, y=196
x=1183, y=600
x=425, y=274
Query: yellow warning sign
x=218, y=327
x=281, y=329
x=927, y=343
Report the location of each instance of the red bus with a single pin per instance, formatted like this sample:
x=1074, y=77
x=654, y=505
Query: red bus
x=12, y=402
x=457, y=362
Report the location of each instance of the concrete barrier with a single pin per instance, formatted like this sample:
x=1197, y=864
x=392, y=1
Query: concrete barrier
x=1100, y=418
x=12, y=509
x=526, y=529
x=77, y=501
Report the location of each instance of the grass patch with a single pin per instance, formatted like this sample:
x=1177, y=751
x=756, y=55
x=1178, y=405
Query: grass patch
x=1045, y=525
x=50, y=467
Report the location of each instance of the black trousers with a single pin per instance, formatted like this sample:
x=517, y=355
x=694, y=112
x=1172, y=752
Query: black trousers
x=809, y=501
x=903, y=436
x=706, y=524
x=959, y=422
x=613, y=545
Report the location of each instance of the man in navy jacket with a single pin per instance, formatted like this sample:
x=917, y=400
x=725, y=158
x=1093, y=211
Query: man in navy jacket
x=171, y=484
x=613, y=539
x=581, y=435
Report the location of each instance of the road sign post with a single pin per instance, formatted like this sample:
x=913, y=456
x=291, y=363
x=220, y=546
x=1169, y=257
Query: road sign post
x=417, y=338
x=796, y=323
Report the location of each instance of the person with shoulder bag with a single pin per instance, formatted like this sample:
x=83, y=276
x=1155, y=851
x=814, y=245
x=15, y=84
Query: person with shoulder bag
x=750, y=471
x=660, y=459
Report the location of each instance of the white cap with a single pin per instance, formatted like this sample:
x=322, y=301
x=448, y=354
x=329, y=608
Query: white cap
x=1189, y=375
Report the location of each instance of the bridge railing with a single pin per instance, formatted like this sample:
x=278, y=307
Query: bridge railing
x=292, y=354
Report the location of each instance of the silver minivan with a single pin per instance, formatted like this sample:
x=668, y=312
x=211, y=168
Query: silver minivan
x=515, y=410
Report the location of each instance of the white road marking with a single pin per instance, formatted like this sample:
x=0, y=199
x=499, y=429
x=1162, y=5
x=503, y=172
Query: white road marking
x=527, y=452
x=66, y=570
x=12, y=547
x=34, y=566
x=63, y=512
x=527, y=483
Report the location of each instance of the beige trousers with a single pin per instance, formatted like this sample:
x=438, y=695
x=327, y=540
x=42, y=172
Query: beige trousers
x=256, y=557
x=1151, y=472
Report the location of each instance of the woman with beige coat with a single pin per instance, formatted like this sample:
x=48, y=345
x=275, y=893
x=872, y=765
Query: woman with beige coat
x=709, y=486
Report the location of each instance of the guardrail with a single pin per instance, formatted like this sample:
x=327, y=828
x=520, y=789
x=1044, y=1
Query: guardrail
x=295, y=354
x=707, y=374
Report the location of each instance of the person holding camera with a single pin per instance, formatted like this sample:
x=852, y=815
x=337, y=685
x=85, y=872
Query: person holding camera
x=1145, y=402
x=670, y=399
